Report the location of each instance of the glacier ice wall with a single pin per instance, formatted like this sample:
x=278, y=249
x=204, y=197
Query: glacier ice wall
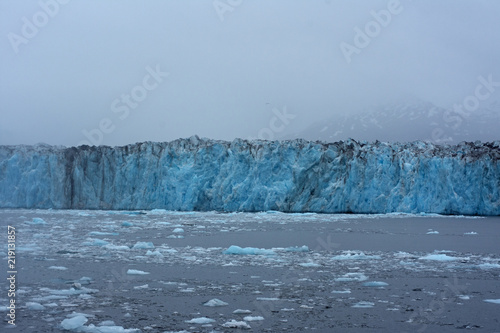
x=290, y=176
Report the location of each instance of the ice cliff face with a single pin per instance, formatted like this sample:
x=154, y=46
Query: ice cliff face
x=290, y=176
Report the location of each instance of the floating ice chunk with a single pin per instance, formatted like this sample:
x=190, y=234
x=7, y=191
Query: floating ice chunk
x=178, y=230
x=464, y=297
x=241, y=311
x=345, y=291
x=95, y=242
x=157, y=212
x=154, y=253
x=253, y=318
x=363, y=304
x=127, y=224
x=106, y=329
x=143, y=245
x=163, y=223
x=51, y=305
x=101, y=233
x=136, y=272
x=106, y=323
x=200, y=320
x=297, y=249
x=495, y=301
x=375, y=284
x=236, y=324
x=489, y=266
x=34, y=306
x=116, y=247
x=144, y=286
x=175, y=236
x=71, y=291
x=355, y=255
x=309, y=264
x=75, y=314
x=439, y=257
x=352, y=277
x=215, y=302
x=84, y=214
x=233, y=249
x=268, y=299
x=58, y=268
x=434, y=232
x=470, y=233
x=36, y=221
x=74, y=323
x=187, y=290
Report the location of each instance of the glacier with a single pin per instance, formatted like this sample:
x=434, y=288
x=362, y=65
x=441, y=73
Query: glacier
x=198, y=174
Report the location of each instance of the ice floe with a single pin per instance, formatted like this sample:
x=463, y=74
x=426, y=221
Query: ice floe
x=215, y=302
x=200, y=320
x=355, y=255
x=143, y=245
x=236, y=324
x=136, y=272
x=233, y=249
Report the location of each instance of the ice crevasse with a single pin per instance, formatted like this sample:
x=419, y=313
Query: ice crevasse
x=289, y=176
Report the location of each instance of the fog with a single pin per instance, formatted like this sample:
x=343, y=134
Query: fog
x=119, y=72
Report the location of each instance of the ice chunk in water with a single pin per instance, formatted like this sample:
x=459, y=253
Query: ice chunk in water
x=363, y=304
x=200, y=320
x=236, y=324
x=439, y=257
x=143, y=245
x=253, y=318
x=233, y=249
x=495, y=301
x=375, y=284
x=215, y=302
x=37, y=221
x=34, y=306
x=136, y=272
x=74, y=323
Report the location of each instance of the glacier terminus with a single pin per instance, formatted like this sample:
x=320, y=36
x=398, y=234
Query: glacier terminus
x=198, y=174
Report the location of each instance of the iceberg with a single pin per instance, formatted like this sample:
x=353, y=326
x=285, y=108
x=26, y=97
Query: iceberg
x=292, y=176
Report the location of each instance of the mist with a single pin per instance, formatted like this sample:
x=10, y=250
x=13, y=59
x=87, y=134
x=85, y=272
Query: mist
x=119, y=72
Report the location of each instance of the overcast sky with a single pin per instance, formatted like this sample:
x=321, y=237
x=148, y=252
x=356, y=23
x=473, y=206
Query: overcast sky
x=118, y=72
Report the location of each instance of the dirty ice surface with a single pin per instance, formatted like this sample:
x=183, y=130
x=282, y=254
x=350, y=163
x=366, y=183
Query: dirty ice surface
x=164, y=271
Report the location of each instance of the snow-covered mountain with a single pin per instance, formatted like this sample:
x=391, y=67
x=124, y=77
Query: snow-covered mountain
x=409, y=121
x=291, y=176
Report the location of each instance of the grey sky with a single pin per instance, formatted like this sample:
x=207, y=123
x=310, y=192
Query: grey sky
x=227, y=70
